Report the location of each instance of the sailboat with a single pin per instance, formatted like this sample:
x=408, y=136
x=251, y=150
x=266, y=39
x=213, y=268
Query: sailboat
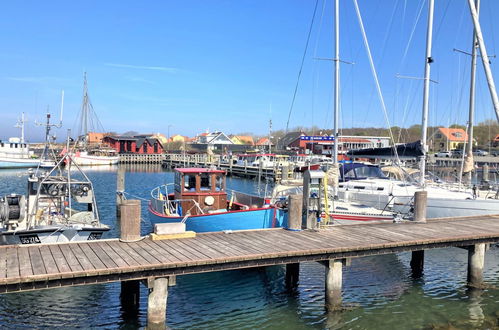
x=85, y=154
x=367, y=184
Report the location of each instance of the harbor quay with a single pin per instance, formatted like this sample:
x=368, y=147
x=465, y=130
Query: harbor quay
x=157, y=261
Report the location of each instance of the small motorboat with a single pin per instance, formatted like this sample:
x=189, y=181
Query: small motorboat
x=199, y=198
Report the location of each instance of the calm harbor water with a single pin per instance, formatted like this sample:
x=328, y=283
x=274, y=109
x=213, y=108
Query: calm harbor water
x=379, y=292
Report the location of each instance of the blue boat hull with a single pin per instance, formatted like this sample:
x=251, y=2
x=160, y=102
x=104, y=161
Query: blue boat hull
x=237, y=220
x=14, y=164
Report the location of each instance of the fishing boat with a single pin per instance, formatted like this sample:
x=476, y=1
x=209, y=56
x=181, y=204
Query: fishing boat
x=199, y=198
x=59, y=206
x=16, y=153
x=85, y=154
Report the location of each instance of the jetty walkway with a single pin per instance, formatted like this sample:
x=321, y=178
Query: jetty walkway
x=33, y=267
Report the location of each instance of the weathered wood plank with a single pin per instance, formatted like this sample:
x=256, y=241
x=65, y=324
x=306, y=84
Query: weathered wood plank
x=117, y=247
x=91, y=256
x=102, y=255
x=25, y=269
x=116, y=258
x=70, y=257
x=36, y=260
x=59, y=259
x=12, y=262
x=48, y=260
x=85, y=264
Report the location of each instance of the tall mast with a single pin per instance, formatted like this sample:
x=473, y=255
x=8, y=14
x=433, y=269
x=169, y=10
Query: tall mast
x=84, y=110
x=426, y=91
x=336, y=77
x=469, y=147
x=485, y=58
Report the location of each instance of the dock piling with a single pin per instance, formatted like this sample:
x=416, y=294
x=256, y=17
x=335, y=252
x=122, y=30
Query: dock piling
x=417, y=263
x=156, y=302
x=420, y=200
x=130, y=220
x=292, y=275
x=295, y=212
x=334, y=282
x=476, y=261
x=120, y=188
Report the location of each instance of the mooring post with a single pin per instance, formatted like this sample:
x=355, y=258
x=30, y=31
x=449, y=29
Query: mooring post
x=417, y=263
x=295, y=212
x=420, y=200
x=292, y=275
x=130, y=297
x=485, y=173
x=230, y=165
x=334, y=281
x=156, y=302
x=120, y=189
x=476, y=261
x=130, y=220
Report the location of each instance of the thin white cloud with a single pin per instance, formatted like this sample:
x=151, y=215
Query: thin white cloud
x=143, y=67
x=36, y=79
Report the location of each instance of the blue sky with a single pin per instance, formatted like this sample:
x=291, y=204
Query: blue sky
x=231, y=65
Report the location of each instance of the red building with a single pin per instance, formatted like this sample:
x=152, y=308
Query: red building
x=134, y=144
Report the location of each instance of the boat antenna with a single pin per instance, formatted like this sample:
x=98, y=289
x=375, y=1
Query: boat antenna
x=20, y=124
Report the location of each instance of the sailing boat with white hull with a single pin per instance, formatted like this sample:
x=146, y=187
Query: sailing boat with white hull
x=363, y=183
x=85, y=154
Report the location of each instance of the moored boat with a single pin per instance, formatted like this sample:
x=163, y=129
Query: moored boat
x=199, y=198
x=57, y=208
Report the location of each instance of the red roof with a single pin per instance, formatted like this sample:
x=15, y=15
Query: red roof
x=197, y=170
x=454, y=134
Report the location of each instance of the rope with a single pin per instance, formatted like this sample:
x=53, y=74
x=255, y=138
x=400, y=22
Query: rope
x=375, y=76
x=301, y=66
x=124, y=193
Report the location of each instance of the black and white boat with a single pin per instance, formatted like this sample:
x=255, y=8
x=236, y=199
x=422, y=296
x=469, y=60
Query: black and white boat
x=60, y=206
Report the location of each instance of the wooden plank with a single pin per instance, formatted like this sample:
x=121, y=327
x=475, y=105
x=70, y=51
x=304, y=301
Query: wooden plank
x=166, y=251
x=226, y=241
x=144, y=251
x=70, y=257
x=59, y=259
x=91, y=256
x=48, y=260
x=102, y=255
x=36, y=261
x=85, y=264
x=3, y=264
x=185, y=244
x=132, y=253
x=24, y=262
x=12, y=262
x=212, y=248
x=118, y=260
x=178, y=251
x=159, y=252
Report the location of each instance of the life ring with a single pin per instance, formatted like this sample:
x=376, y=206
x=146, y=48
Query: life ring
x=209, y=200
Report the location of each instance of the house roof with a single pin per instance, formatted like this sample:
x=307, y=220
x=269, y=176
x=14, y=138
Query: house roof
x=263, y=141
x=496, y=138
x=454, y=134
x=244, y=139
x=289, y=138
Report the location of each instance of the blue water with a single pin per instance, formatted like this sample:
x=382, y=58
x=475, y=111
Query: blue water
x=379, y=292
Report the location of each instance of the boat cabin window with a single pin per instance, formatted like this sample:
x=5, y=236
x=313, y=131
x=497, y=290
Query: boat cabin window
x=219, y=182
x=189, y=182
x=205, y=181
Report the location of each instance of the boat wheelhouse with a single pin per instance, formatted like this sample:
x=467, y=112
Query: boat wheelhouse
x=200, y=200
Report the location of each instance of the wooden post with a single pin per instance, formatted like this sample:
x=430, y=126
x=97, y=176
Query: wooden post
x=476, y=261
x=420, y=200
x=285, y=172
x=295, y=212
x=292, y=275
x=120, y=189
x=130, y=220
x=130, y=298
x=245, y=166
x=334, y=281
x=485, y=174
x=156, y=302
x=417, y=263
x=230, y=165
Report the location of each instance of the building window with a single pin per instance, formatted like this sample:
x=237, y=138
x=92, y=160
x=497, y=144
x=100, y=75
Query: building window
x=438, y=136
x=144, y=147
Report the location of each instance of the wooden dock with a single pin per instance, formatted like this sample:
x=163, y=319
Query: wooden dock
x=32, y=267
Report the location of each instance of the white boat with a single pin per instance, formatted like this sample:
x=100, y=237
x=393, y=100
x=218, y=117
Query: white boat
x=15, y=153
x=57, y=208
x=366, y=184
x=85, y=155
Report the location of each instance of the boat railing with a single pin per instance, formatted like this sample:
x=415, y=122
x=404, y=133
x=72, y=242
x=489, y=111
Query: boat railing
x=157, y=192
x=172, y=207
